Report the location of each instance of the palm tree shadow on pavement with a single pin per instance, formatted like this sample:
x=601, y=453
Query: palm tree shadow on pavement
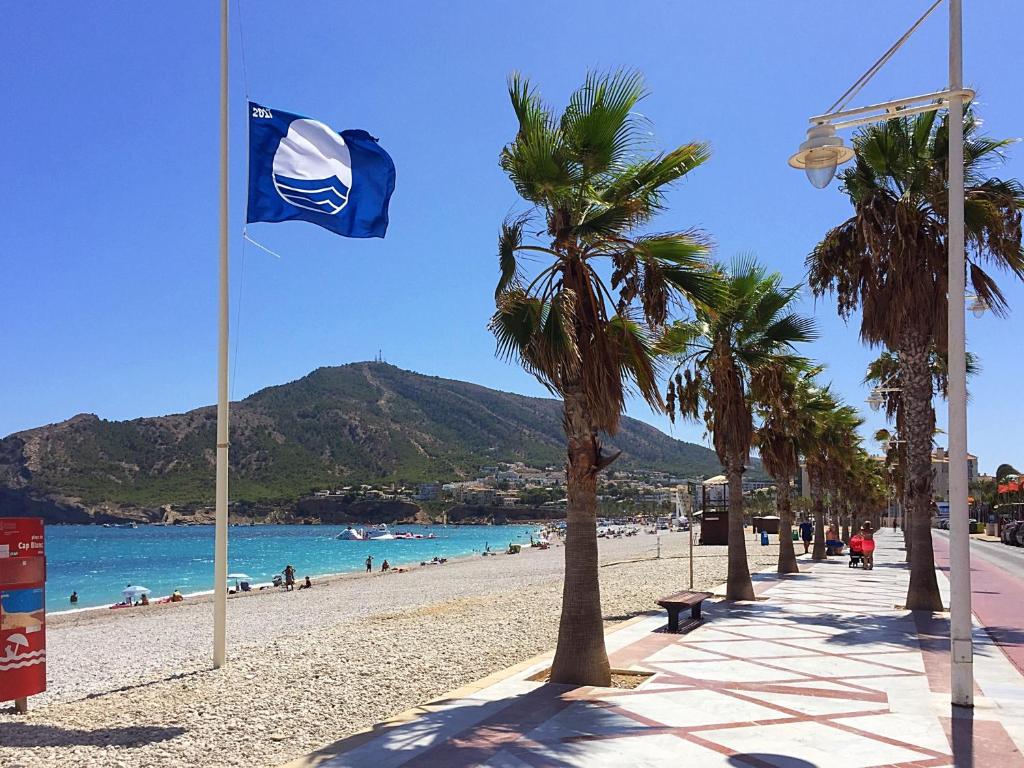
x=914, y=630
x=467, y=731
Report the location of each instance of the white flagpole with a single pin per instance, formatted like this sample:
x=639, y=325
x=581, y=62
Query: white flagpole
x=220, y=555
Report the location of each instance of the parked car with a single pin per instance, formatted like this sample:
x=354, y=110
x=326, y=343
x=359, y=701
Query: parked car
x=1006, y=532
x=1012, y=532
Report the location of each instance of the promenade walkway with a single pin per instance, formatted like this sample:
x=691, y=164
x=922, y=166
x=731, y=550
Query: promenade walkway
x=825, y=669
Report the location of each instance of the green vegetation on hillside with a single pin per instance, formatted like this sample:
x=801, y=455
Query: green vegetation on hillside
x=357, y=423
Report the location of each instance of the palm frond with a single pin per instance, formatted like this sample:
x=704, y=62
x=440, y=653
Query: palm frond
x=509, y=241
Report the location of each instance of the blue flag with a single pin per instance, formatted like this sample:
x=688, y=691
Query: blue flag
x=302, y=169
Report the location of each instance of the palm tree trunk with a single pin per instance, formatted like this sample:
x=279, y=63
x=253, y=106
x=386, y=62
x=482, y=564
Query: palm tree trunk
x=919, y=423
x=905, y=528
x=580, y=656
x=738, y=584
x=847, y=516
x=783, y=505
x=818, y=508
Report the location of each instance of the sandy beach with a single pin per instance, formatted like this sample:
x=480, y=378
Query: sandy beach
x=134, y=687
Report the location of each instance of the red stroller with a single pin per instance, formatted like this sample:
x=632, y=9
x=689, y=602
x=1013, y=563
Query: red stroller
x=856, y=551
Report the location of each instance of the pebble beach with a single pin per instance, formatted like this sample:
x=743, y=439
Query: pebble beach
x=135, y=688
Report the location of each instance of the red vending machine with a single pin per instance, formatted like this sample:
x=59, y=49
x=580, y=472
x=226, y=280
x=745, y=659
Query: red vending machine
x=22, y=609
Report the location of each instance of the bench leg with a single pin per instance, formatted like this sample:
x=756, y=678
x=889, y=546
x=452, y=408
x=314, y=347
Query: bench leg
x=673, y=619
x=695, y=611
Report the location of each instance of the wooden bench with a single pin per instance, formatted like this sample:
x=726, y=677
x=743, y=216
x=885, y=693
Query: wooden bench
x=675, y=603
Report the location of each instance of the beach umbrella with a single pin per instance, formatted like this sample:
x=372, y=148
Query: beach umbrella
x=131, y=593
x=238, y=577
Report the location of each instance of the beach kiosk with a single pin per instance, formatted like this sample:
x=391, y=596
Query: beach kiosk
x=22, y=610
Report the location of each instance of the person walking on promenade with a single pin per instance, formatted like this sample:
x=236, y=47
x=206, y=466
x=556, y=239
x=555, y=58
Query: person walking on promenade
x=867, y=533
x=289, y=578
x=806, y=534
x=369, y=563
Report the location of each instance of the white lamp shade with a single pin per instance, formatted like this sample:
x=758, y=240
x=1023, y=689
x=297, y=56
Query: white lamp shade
x=820, y=154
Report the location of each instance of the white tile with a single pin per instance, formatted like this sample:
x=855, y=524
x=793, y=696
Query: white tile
x=654, y=751
x=728, y=671
x=917, y=729
x=696, y=707
x=818, y=705
x=814, y=743
x=681, y=652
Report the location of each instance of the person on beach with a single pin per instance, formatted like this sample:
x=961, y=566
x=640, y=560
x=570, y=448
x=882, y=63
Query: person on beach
x=806, y=534
x=144, y=600
x=369, y=563
x=307, y=584
x=289, y=578
x=833, y=544
x=176, y=596
x=385, y=567
x=74, y=598
x=867, y=534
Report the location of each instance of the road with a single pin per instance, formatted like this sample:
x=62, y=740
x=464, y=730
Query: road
x=997, y=591
x=1010, y=559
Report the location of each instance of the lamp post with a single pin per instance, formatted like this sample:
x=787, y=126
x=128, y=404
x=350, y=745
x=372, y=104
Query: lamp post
x=819, y=156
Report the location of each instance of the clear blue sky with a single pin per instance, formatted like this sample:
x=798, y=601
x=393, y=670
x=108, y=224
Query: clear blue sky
x=108, y=233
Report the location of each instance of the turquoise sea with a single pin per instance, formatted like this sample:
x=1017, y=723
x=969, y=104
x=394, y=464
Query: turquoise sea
x=99, y=562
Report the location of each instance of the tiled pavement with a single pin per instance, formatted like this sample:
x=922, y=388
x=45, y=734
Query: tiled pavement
x=827, y=671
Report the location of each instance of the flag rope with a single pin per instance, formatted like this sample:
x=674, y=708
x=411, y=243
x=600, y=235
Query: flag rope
x=245, y=236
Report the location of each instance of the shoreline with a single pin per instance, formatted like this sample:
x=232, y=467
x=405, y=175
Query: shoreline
x=202, y=588
x=261, y=588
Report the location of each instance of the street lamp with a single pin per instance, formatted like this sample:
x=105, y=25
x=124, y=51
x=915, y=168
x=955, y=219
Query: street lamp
x=876, y=399
x=978, y=305
x=816, y=156
x=820, y=154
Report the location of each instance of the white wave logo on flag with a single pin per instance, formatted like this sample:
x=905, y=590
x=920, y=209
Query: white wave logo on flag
x=313, y=167
x=12, y=659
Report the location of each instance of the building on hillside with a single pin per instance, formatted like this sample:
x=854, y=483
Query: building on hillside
x=506, y=498
x=428, y=491
x=478, y=495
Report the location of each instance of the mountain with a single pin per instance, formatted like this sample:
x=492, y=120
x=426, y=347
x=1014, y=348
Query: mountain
x=357, y=423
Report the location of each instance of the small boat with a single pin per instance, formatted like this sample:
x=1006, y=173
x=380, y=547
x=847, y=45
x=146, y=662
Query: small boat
x=380, y=533
x=350, y=534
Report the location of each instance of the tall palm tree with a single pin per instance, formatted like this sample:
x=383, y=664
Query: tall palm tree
x=884, y=372
x=787, y=413
x=751, y=328
x=591, y=185
x=828, y=449
x=889, y=261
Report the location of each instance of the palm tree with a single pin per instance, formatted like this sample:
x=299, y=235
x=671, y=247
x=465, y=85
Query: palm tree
x=830, y=444
x=787, y=414
x=589, y=339
x=889, y=262
x=720, y=352
x=884, y=373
